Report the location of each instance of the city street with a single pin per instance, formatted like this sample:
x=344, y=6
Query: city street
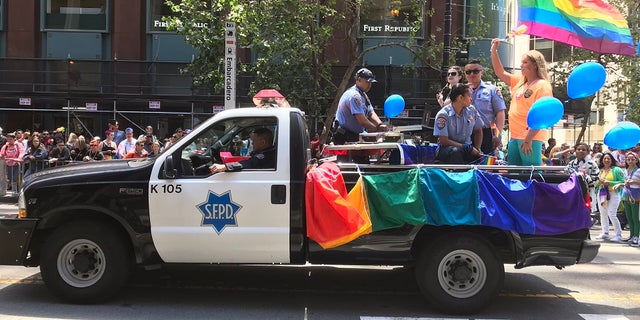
x=607, y=288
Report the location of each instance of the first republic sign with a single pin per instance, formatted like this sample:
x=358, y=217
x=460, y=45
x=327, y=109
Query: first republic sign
x=230, y=66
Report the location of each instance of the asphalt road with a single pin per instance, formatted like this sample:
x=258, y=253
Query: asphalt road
x=607, y=288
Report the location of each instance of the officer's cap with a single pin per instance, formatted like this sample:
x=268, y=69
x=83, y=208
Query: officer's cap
x=366, y=74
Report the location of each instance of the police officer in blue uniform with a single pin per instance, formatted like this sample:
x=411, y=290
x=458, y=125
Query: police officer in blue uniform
x=263, y=155
x=488, y=100
x=355, y=112
x=454, y=125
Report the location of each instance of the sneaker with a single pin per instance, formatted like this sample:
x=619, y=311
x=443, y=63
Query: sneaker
x=602, y=237
x=634, y=242
x=626, y=239
x=616, y=239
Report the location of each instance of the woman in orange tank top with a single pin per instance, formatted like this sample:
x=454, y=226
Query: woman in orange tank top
x=525, y=145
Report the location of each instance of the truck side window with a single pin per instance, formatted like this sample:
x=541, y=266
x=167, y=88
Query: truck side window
x=249, y=141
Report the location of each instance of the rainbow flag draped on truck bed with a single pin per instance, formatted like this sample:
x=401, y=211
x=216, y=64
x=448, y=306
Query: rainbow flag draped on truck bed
x=440, y=198
x=588, y=24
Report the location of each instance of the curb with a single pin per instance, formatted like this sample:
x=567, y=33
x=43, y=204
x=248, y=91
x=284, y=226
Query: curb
x=9, y=198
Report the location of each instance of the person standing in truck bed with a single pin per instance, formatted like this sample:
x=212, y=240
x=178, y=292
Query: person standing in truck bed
x=355, y=112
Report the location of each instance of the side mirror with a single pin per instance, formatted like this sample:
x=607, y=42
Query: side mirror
x=169, y=171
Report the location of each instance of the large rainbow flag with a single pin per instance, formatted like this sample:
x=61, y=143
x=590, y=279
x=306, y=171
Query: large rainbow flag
x=437, y=197
x=588, y=24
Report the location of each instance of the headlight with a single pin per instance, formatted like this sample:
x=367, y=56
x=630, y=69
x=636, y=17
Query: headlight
x=22, y=207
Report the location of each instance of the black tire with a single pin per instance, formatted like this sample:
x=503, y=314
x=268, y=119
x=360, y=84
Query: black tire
x=85, y=262
x=459, y=273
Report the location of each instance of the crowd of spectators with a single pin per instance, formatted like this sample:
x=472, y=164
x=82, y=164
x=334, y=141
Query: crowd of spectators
x=28, y=152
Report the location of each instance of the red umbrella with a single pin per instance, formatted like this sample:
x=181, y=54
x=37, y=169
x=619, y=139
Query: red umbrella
x=270, y=97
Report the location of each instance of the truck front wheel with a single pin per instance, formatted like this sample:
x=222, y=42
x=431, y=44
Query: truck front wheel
x=85, y=262
x=459, y=273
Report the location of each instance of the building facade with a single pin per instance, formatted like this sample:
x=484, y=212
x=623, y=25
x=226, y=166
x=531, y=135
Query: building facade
x=79, y=63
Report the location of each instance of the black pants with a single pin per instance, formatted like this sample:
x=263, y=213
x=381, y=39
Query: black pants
x=454, y=155
x=487, y=142
x=342, y=136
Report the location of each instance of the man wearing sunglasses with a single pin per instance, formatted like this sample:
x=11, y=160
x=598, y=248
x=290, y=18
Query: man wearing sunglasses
x=487, y=99
x=138, y=151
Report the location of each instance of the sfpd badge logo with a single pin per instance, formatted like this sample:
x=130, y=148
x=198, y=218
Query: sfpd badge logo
x=219, y=211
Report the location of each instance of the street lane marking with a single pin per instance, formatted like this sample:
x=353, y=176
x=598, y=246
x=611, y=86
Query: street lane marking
x=577, y=296
x=408, y=318
x=603, y=317
x=584, y=316
x=9, y=282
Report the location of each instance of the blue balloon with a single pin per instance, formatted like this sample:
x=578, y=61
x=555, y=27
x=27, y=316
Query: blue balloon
x=393, y=106
x=585, y=80
x=545, y=113
x=623, y=136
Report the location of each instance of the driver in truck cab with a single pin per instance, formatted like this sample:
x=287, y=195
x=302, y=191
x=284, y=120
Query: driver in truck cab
x=263, y=155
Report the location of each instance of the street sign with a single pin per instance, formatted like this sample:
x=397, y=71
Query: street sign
x=230, y=66
x=154, y=104
x=216, y=109
x=91, y=106
x=24, y=101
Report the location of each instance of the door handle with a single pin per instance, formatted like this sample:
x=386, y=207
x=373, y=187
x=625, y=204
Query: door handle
x=278, y=194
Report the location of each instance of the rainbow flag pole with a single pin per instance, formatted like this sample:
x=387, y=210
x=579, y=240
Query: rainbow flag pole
x=494, y=130
x=488, y=160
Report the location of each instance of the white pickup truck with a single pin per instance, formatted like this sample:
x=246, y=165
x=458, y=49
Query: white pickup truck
x=89, y=225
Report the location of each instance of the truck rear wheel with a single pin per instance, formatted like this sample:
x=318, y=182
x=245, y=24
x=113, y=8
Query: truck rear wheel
x=85, y=262
x=459, y=273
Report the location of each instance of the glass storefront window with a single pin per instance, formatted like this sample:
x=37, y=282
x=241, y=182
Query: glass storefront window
x=75, y=15
x=157, y=10
x=488, y=19
x=2, y=14
x=389, y=18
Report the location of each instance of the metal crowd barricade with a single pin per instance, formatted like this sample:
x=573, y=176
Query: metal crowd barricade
x=11, y=175
x=3, y=177
x=33, y=166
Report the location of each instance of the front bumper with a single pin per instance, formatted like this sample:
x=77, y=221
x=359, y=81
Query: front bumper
x=15, y=235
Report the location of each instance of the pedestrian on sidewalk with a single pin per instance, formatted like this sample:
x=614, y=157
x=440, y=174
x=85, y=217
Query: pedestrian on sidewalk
x=630, y=196
x=609, y=197
x=13, y=152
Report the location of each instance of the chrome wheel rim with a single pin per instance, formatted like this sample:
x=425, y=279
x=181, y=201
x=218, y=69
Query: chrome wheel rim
x=81, y=263
x=462, y=274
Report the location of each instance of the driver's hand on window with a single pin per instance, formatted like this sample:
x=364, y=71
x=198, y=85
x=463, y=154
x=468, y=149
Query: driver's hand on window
x=215, y=168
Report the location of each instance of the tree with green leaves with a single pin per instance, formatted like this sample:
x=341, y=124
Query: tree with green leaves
x=284, y=36
x=629, y=67
x=288, y=40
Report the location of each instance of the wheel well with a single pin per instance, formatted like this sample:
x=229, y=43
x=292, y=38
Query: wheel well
x=501, y=240
x=75, y=216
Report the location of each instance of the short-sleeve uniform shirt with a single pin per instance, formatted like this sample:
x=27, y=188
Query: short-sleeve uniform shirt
x=457, y=127
x=488, y=101
x=353, y=101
